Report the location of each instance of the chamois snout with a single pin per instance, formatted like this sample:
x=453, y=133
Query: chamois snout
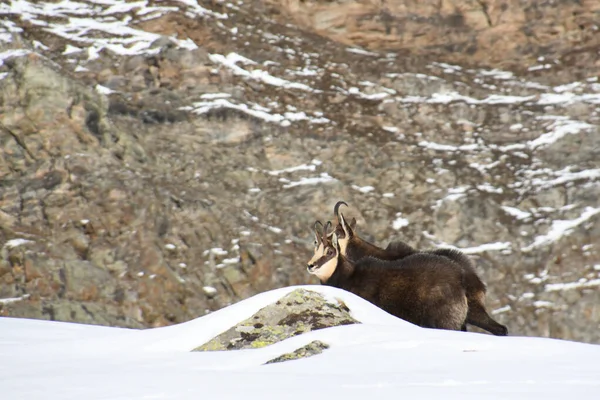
x=310, y=267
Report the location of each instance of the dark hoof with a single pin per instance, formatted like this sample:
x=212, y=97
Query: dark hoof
x=501, y=331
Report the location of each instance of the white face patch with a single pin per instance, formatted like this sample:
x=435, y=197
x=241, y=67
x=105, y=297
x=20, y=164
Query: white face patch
x=343, y=243
x=326, y=270
x=319, y=252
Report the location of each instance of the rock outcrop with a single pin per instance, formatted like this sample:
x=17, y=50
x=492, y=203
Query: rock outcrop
x=313, y=348
x=298, y=312
x=503, y=33
x=172, y=160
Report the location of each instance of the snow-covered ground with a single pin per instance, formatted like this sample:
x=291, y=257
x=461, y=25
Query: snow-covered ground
x=383, y=357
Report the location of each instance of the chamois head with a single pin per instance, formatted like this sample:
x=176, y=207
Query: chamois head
x=324, y=238
x=324, y=266
x=321, y=240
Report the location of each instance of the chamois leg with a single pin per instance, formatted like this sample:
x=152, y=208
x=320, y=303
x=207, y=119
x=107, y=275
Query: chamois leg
x=464, y=327
x=478, y=316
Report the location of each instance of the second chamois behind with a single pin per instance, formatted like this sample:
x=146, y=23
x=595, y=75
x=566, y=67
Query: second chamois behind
x=424, y=289
x=353, y=247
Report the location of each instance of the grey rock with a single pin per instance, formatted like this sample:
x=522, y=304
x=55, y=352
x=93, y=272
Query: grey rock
x=313, y=348
x=298, y=312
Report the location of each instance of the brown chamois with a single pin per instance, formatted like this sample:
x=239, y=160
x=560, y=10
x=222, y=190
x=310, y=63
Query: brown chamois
x=355, y=248
x=424, y=289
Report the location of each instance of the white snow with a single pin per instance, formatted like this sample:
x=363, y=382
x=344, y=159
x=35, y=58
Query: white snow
x=542, y=99
x=448, y=68
x=515, y=127
x=383, y=357
x=545, y=304
x=554, y=287
x=303, y=167
x=399, y=222
x=538, y=67
x=360, y=51
x=323, y=178
x=450, y=96
x=515, y=212
x=201, y=11
x=561, y=228
x=13, y=299
x=211, y=96
x=203, y=107
x=446, y=147
x=497, y=246
x=496, y=73
x=72, y=20
x=209, y=290
x=559, y=129
x=274, y=229
x=16, y=242
x=363, y=189
x=255, y=110
x=486, y=187
x=5, y=55
x=71, y=49
x=501, y=310
x=216, y=251
x=103, y=90
x=453, y=195
x=356, y=91
x=564, y=176
x=232, y=59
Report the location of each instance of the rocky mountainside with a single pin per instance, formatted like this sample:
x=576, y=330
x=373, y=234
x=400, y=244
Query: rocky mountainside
x=162, y=159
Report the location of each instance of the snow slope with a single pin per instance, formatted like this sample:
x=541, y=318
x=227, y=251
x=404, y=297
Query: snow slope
x=383, y=357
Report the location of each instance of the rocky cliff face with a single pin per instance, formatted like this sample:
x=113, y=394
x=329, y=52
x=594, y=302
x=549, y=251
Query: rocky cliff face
x=164, y=159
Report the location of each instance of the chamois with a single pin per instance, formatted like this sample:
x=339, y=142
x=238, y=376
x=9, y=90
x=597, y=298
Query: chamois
x=355, y=248
x=424, y=289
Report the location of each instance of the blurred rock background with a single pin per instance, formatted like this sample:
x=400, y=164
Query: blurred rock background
x=161, y=160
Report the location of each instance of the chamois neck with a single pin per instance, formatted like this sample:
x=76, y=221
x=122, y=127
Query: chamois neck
x=358, y=248
x=344, y=270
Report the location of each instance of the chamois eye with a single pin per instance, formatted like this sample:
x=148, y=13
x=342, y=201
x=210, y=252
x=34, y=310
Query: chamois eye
x=329, y=251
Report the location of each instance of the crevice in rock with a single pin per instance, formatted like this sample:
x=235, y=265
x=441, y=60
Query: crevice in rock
x=484, y=9
x=18, y=140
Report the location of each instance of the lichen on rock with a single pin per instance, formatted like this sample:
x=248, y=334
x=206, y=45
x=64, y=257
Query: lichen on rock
x=313, y=348
x=298, y=312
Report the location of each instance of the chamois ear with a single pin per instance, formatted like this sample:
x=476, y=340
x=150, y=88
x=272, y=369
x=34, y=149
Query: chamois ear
x=335, y=243
x=348, y=231
x=353, y=223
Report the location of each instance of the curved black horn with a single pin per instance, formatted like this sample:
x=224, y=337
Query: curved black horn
x=336, y=209
x=318, y=234
x=317, y=223
x=328, y=225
